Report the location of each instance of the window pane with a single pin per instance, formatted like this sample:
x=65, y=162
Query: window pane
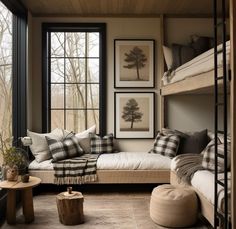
x=93, y=96
x=93, y=70
x=57, y=70
x=57, y=44
x=93, y=119
x=57, y=119
x=75, y=44
x=93, y=44
x=57, y=96
x=75, y=120
x=75, y=70
x=5, y=73
x=75, y=96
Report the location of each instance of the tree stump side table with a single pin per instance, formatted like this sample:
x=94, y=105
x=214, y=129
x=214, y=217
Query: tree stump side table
x=70, y=207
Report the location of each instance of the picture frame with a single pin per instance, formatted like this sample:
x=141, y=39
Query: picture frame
x=134, y=115
x=130, y=73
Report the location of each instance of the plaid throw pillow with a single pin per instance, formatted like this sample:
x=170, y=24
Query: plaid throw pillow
x=166, y=145
x=101, y=144
x=208, y=161
x=67, y=148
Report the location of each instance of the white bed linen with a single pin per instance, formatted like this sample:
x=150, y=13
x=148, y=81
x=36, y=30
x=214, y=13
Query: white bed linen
x=120, y=161
x=200, y=64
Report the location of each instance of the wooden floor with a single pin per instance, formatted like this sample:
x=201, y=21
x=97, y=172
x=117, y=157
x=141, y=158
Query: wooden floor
x=103, y=210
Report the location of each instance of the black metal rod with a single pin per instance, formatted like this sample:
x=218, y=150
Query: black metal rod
x=216, y=112
x=225, y=115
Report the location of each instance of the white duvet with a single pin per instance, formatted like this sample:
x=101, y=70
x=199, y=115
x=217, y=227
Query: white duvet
x=200, y=64
x=120, y=161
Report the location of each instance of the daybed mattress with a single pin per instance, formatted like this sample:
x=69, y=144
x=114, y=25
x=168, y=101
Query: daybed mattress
x=200, y=64
x=203, y=181
x=123, y=167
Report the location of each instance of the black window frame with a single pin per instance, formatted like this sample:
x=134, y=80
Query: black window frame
x=72, y=27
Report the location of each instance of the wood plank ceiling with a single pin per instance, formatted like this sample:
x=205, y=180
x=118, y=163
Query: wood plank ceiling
x=118, y=8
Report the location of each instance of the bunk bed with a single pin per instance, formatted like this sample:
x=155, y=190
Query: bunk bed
x=195, y=76
x=208, y=73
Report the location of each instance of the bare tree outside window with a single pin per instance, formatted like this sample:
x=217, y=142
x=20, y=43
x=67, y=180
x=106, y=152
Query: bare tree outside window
x=74, y=80
x=5, y=72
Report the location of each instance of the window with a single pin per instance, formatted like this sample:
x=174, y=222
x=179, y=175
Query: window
x=74, y=56
x=5, y=72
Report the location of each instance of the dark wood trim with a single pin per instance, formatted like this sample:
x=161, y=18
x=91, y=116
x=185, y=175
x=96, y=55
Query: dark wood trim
x=19, y=93
x=73, y=27
x=122, y=15
x=16, y=7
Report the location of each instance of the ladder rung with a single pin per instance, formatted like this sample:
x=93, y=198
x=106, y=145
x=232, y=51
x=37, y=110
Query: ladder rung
x=220, y=131
x=220, y=183
x=219, y=104
x=220, y=155
x=220, y=78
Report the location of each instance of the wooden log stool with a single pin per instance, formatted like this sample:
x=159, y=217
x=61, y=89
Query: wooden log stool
x=70, y=207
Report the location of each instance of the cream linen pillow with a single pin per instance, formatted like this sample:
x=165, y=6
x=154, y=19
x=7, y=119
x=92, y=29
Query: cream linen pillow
x=39, y=147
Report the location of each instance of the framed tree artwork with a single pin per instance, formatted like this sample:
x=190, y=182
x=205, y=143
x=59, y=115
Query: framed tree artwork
x=134, y=115
x=134, y=63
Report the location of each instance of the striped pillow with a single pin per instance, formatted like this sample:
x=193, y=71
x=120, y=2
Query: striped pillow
x=208, y=161
x=166, y=145
x=101, y=144
x=66, y=148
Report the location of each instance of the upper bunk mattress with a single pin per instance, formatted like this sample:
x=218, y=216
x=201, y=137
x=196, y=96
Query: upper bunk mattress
x=119, y=161
x=200, y=64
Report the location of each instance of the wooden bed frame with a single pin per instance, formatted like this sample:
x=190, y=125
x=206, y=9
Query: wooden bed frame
x=198, y=84
x=115, y=176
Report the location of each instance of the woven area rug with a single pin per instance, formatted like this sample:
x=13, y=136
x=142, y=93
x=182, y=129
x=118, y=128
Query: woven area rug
x=102, y=211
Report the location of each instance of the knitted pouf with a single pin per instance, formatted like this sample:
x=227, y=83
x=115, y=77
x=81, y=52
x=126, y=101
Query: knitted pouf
x=173, y=206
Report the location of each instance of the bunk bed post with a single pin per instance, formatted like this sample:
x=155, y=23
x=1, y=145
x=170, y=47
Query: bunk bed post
x=161, y=72
x=232, y=16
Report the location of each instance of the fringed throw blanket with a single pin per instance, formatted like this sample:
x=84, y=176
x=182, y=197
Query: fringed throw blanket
x=77, y=170
x=187, y=165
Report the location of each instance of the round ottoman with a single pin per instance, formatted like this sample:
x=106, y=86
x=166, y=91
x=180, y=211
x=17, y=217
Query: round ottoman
x=173, y=206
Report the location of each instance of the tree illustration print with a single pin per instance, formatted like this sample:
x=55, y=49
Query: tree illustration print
x=135, y=60
x=131, y=112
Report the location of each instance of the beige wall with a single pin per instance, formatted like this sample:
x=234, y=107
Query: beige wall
x=184, y=112
x=116, y=28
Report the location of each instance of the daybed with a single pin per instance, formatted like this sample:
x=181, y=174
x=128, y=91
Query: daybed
x=196, y=74
x=203, y=184
x=122, y=167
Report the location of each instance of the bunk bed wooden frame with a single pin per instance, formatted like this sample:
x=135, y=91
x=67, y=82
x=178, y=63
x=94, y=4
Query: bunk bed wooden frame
x=203, y=84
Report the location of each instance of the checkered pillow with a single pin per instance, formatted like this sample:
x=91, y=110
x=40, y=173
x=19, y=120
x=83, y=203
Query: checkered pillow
x=208, y=161
x=166, y=145
x=66, y=148
x=101, y=144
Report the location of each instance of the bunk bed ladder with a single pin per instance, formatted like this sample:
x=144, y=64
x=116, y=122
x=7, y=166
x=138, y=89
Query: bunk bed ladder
x=220, y=219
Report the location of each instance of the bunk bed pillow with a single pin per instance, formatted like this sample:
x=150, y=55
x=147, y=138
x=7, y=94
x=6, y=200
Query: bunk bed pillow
x=166, y=145
x=39, y=147
x=201, y=44
x=63, y=149
x=181, y=54
x=100, y=145
x=192, y=143
x=168, y=55
x=208, y=161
